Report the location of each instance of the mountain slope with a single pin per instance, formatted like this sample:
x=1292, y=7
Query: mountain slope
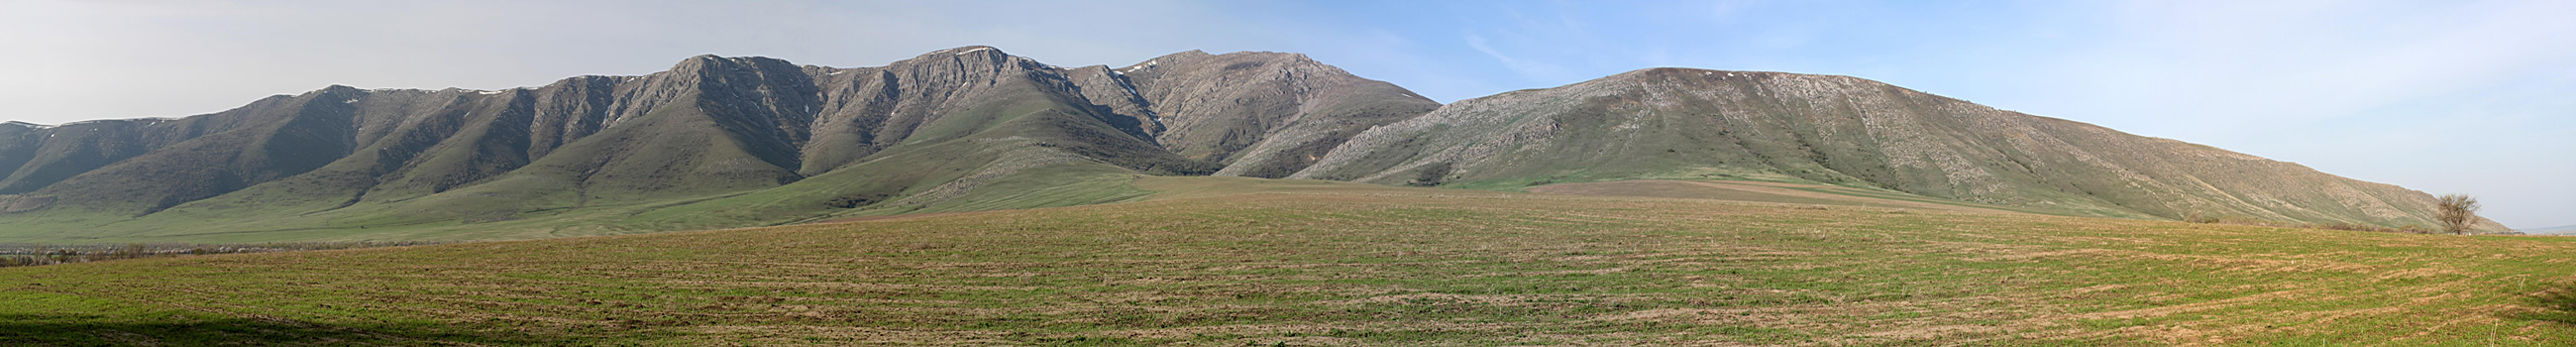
x=1263, y=114
x=745, y=141
x=712, y=142
x=1702, y=124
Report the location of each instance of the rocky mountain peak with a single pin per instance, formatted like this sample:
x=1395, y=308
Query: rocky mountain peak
x=965, y=50
x=1175, y=58
x=1264, y=114
x=710, y=62
x=1688, y=76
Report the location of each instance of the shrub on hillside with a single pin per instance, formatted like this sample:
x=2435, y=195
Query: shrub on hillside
x=1431, y=175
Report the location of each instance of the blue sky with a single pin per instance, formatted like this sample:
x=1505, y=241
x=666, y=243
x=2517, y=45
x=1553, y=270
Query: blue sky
x=2441, y=96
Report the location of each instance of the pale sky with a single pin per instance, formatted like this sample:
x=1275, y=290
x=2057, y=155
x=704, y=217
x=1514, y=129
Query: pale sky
x=2441, y=96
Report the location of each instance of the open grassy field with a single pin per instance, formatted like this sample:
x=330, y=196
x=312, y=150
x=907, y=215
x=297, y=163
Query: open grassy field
x=1232, y=262
x=1787, y=193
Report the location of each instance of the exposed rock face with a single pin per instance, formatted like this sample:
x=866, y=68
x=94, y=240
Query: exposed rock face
x=1688, y=123
x=709, y=126
x=1263, y=114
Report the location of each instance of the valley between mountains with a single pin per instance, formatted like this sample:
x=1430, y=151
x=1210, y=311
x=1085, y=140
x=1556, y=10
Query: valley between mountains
x=720, y=142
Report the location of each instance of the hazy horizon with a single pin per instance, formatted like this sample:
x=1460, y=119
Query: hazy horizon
x=2444, y=98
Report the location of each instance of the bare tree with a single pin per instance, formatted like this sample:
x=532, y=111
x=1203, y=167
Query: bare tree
x=2457, y=213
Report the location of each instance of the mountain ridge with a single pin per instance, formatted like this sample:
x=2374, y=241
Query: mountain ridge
x=2556, y=230
x=710, y=130
x=1842, y=130
x=737, y=141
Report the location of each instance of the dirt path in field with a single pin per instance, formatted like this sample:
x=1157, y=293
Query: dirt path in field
x=1743, y=191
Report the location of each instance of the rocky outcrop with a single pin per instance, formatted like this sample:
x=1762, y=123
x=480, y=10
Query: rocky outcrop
x=1263, y=114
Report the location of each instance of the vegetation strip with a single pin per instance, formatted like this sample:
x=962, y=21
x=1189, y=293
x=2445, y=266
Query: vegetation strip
x=41, y=254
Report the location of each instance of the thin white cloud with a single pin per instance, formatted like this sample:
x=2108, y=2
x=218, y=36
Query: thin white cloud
x=1527, y=68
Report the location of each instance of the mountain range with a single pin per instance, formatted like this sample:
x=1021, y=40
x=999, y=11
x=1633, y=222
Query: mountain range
x=2556, y=230
x=719, y=142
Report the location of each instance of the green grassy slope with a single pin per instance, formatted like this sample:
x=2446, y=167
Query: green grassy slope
x=1017, y=145
x=274, y=139
x=1773, y=192
x=673, y=154
x=1034, y=153
x=38, y=157
x=1233, y=261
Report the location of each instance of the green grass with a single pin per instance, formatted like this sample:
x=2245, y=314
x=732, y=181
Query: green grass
x=1230, y=261
x=1770, y=192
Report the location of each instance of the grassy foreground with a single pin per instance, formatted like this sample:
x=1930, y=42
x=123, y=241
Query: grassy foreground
x=1231, y=262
